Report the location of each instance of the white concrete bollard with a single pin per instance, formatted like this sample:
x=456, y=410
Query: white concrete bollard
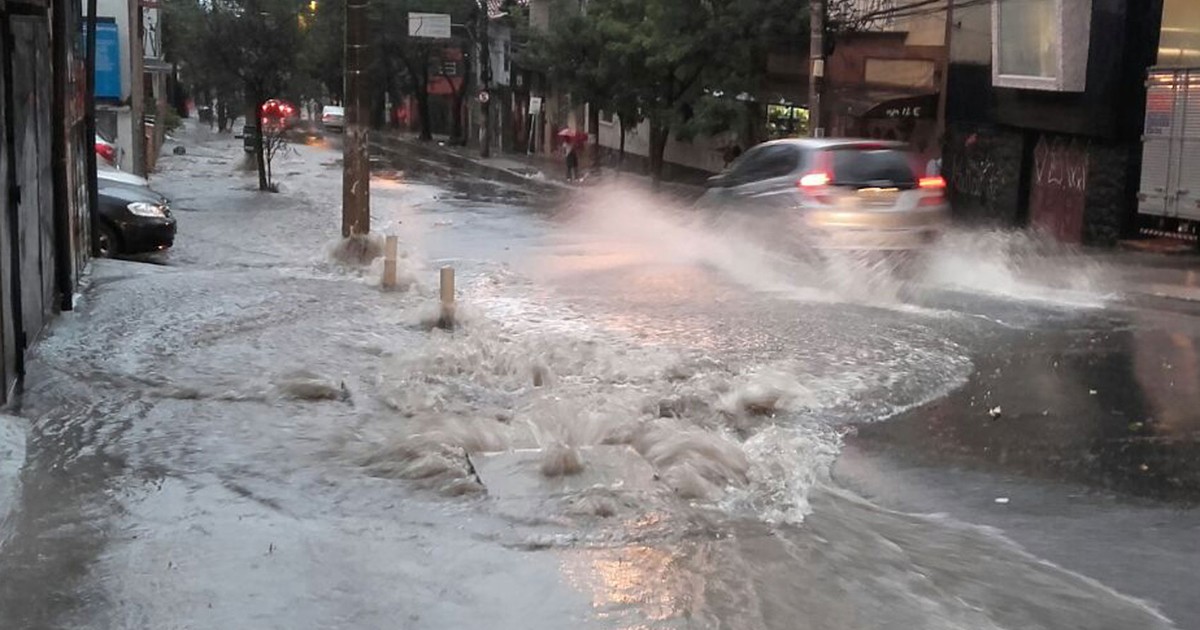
x=446, y=320
x=389, y=262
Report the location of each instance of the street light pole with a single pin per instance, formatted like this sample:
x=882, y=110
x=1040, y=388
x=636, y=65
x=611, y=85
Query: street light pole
x=356, y=162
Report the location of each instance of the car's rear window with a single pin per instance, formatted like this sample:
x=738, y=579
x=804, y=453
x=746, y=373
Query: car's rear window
x=862, y=167
x=335, y=111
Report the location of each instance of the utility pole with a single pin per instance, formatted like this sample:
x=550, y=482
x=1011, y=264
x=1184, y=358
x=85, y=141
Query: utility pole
x=816, y=66
x=947, y=38
x=356, y=161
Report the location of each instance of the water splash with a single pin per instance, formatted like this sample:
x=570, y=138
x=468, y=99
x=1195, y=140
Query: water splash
x=1018, y=265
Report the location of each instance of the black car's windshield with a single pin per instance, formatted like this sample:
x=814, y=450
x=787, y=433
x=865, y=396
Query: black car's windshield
x=859, y=167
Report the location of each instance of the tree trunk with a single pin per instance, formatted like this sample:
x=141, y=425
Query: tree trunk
x=267, y=160
x=426, y=116
x=485, y=149
x=658, y=147
x=259, y=156
x=594, y=132
x=621, y=153
x=457, y=135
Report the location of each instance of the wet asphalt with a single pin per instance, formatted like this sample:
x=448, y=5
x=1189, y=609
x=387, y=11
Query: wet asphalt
x=1076, y=431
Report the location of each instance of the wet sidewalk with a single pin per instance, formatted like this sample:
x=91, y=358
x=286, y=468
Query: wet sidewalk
x=540, y=171
x=1157, y=276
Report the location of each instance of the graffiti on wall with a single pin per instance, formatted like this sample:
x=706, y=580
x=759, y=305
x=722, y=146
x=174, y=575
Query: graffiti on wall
x=974, y=175
x=973, y=169
x=1058, y=187
x=982, y=166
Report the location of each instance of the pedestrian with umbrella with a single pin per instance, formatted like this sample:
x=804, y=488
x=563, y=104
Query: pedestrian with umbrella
x=570, y=139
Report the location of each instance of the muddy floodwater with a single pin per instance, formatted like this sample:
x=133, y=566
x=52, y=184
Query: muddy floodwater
x=644, y=417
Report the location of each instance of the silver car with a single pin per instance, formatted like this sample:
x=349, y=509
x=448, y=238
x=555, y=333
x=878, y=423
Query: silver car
x=333, y=118
x=836, y=193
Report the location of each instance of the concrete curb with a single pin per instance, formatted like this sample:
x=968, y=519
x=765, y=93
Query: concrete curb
x=13, y=433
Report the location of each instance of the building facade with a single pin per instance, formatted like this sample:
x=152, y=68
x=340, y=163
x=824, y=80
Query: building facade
x=44, y=214
x=1045, y=129
x=131, y=80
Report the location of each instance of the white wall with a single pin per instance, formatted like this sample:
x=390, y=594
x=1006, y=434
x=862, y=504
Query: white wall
x=702, y=153
x=971, y=41
x=119, y=10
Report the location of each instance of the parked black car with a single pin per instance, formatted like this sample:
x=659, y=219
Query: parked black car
x=133, y=220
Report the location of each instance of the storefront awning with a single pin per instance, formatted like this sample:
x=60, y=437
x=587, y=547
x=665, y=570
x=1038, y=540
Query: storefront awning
x=867, y=102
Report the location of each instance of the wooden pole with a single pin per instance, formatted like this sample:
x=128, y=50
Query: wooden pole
x=816, y=67
x=356, y=162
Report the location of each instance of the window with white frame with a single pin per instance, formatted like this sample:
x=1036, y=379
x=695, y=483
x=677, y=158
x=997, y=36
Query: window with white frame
x=1041, y=44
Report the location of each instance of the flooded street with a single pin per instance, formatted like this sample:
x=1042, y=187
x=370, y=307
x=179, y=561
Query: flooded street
x=645, y=417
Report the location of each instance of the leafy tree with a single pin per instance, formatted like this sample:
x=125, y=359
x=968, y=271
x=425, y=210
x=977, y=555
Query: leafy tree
x=322, y=55
x=201, y=73
x=252, y=42
x=671, y=62
x=580, y=54
x=401, y=60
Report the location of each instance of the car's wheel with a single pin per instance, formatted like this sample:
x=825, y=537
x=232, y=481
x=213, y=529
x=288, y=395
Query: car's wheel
x=107, y=243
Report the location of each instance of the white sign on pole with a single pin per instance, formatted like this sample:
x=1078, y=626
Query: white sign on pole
x=535, y=105
x=430, y=25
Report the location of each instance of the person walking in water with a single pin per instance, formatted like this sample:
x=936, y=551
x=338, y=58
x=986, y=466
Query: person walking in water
x=572, y=161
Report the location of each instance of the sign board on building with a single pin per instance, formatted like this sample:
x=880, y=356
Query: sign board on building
x=535, y=105
x=108, y=60
x=429, y=25
x=905, y=111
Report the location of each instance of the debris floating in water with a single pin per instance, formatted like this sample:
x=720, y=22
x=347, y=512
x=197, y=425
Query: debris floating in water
x=561, y=461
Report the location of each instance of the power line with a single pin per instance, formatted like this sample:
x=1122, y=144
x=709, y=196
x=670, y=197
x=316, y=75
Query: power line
x=852, y=20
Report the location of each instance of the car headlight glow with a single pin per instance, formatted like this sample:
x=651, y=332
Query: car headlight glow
x=143, y=209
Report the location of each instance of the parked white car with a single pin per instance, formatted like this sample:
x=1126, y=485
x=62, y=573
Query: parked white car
x=333, y=118
x=110, y=174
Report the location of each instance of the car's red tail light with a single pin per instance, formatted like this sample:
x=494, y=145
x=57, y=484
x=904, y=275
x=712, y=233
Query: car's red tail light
x=814, y=180
x=934, y=188
x=106, y=151
x=935, y=182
